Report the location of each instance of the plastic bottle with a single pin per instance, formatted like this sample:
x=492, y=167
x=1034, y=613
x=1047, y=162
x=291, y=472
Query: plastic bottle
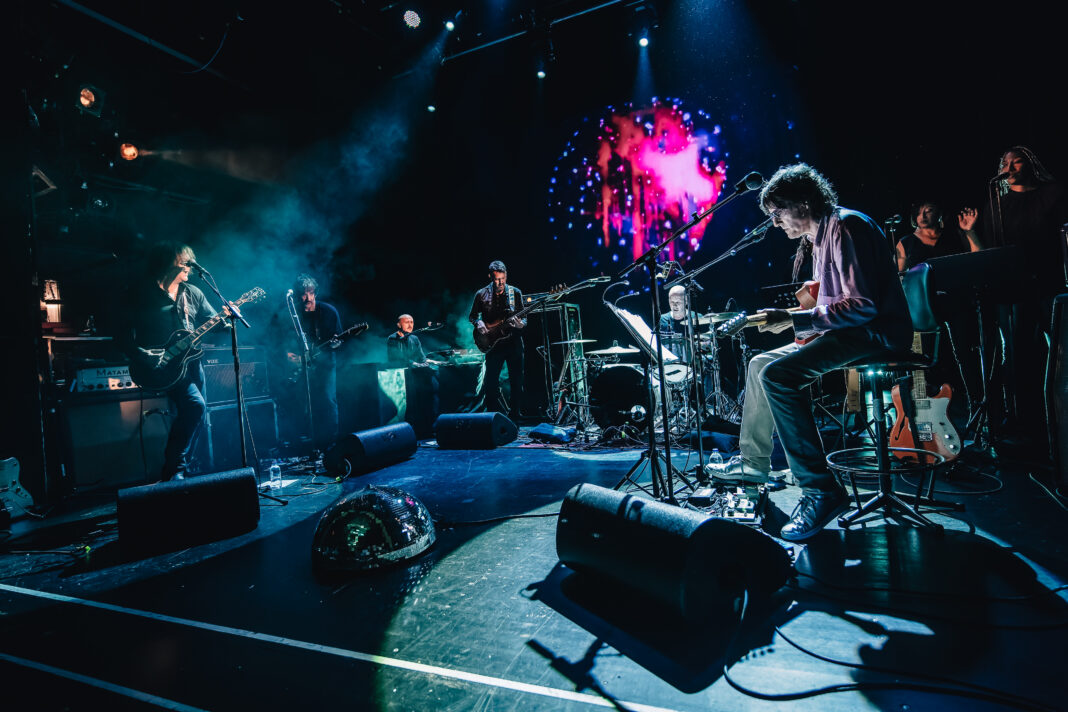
x=715, y=457
x=275, y=480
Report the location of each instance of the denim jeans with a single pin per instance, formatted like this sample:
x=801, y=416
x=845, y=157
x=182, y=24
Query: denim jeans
x=188, y=400
x=785, y=381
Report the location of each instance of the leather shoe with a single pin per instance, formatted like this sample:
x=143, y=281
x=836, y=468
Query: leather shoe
x=735, y=471
x=813, y=513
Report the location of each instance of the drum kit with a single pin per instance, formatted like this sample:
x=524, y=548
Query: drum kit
x=618, y=391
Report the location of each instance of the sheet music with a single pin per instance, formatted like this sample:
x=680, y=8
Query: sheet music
x=643, y=335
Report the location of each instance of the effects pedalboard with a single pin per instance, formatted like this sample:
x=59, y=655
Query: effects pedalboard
x=739, y=503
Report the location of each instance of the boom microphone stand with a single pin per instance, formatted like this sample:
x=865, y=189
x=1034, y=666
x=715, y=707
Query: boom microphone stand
x=752, y=181
x=235, y=316
x=305, y=359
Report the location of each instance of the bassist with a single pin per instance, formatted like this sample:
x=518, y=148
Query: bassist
x=494, y=308
x=167, y=304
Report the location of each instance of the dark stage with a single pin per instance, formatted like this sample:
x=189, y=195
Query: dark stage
x=489, y=619
x=362, y=172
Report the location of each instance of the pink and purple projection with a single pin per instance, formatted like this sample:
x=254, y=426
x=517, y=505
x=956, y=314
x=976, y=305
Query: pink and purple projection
x=631, y=178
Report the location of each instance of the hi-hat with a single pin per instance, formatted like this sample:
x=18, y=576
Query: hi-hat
x=613, y=351
x=716, y=317
x=574, y=341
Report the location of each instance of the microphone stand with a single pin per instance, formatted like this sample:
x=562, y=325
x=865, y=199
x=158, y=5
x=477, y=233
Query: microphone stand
x=305, y=359
x=235, y=316
x=648, y=260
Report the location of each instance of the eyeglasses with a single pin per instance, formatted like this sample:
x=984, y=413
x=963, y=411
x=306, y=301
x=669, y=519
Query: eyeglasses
x=776, y=213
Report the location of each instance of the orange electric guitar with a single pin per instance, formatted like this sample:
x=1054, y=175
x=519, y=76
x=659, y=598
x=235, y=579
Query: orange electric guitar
x=806, y=299
x=922, y=422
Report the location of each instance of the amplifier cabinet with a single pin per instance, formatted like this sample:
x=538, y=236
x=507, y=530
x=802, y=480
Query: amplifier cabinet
x=219, y=374
x=218, y=446
x=102, y=437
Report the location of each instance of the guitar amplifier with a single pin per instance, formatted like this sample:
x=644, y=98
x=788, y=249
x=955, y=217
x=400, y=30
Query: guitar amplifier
x=219, y=374
x=218, y=446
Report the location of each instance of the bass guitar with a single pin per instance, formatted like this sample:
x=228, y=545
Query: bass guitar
x=806, y=297
x=319, y=349
x=160, y=367
x=921, y=422
x=499, y=331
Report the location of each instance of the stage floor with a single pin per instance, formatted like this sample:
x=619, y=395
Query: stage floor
x=488, y=619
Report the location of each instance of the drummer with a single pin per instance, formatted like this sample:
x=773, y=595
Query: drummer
x=675, y=324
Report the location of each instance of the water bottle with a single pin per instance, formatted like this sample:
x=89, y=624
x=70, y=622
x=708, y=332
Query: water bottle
x=715, y=457
x=275, y=479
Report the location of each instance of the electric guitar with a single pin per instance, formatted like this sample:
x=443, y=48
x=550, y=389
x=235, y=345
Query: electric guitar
x=13, y=497
x=806, y=297
x=923, y=424
x=316, y=351
x=160, y=367
x=499, y=331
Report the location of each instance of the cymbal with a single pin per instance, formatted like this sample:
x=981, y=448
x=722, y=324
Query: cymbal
x=716, y=317
x=574, y=341
x=613, y=351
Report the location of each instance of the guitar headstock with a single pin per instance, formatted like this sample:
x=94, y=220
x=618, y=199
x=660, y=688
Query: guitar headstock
x=732, y=326
x=252, y=296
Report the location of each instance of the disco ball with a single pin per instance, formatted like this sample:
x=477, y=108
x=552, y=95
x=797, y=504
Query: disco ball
x=370, y=529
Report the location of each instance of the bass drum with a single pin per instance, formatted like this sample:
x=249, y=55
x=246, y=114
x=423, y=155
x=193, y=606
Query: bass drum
x=619, y=396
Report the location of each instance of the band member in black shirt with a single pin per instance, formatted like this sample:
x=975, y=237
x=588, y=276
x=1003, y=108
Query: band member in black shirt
x=167, y=304
x=402, y=346
x=321, y=325
x=495, y=302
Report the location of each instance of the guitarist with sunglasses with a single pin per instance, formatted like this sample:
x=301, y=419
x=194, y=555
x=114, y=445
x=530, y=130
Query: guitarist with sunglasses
x=492, y=315
x=169, y=303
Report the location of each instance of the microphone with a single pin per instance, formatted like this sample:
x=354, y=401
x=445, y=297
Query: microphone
x=752, y=181
x=193, y=263
x=894, y=220
x=999, y=176
x=289, y=293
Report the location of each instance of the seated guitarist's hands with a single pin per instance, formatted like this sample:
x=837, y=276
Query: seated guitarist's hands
x=778, y=321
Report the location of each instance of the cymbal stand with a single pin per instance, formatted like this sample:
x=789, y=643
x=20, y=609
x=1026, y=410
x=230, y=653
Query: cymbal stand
x=691, y=287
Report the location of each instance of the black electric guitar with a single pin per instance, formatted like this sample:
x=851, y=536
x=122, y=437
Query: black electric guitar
x=499, y=331
x=319, y=349
x=160, y=367
x=13, y=496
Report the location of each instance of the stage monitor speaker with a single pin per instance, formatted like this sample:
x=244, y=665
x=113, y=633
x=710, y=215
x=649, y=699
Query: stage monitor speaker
x=180, y=513
x=1057, y=390
x=367, y=450
x=218, y=446
x=474, y=431
x=696, y=565
x=103, y=434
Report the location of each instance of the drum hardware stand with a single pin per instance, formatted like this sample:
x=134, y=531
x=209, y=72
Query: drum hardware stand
x=752, y=181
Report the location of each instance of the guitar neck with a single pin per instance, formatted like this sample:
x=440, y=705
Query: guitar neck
x=919, y=378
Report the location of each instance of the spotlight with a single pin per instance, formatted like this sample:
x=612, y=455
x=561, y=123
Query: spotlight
x=450, y=25
x=541, y=74
x=128, y=151
x=431, y=108
x=90, y=99
x=643, y=42
x=412, y=19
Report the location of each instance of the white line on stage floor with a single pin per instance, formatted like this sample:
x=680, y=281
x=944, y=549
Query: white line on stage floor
x=102, y=684
x=470, y=677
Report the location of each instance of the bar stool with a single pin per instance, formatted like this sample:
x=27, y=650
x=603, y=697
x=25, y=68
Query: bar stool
x=880, y=463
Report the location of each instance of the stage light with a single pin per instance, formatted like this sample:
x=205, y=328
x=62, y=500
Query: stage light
x=643, y=42
x=450, y=25
x=431, y=108
x=128, y=151
x=90, y=99
x=412, y=19
x=541, y=74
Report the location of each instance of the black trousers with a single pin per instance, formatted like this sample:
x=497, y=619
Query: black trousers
x=508, y=351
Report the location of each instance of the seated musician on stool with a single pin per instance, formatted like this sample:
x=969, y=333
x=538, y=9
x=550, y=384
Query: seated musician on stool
x=860, y=314
x=675, y=320
x=402, y=346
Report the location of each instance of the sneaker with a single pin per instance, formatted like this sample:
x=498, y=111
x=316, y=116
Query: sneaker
x=735, y=471
x=813, y=513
